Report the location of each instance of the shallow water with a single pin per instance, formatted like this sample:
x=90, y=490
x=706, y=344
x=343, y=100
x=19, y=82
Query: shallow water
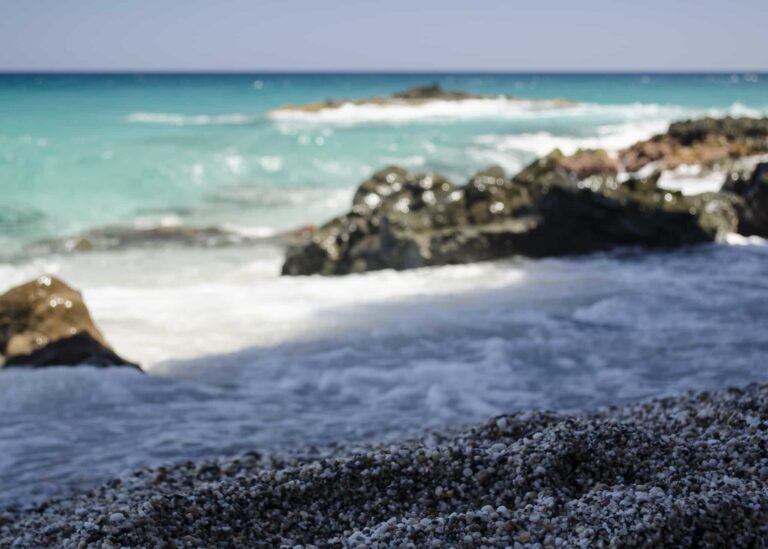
x=376, y=356
x=82, y=151
x=242, y=359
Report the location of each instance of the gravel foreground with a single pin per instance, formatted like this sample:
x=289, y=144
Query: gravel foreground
x=682, y=471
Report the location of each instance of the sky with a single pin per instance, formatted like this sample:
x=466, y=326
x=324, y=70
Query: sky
x=413, y=35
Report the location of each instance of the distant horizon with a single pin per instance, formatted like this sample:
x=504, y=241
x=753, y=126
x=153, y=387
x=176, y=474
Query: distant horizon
x=562, y=72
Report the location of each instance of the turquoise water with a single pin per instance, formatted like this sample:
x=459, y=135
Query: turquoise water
x=81, y=151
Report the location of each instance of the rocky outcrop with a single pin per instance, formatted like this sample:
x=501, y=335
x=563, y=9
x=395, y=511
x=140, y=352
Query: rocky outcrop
x=45, y=322
x=558, y=205
x=415, y=95
x=557, y=168
x=706, y=141
x=433, y=92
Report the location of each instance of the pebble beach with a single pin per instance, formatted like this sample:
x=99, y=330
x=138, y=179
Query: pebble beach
x=683, y=471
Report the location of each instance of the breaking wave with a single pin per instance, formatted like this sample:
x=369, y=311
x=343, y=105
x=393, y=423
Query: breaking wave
x=541, y=143
x=499, y=108
x=351, y=113
x=173, y=119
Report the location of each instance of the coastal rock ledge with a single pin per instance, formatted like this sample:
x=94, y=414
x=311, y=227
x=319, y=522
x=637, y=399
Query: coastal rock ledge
x=45, y=323
x=413, y=96
x=689, y=471
x=558, y=205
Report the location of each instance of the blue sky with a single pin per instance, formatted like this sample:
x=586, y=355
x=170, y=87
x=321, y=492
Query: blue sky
x=383, y=35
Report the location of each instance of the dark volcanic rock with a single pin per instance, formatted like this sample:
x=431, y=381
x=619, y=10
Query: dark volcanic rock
x=557, y=168
x=753, y=190
x=432, y=91
x=558, y=205
x=45, y=322
x=80, y=348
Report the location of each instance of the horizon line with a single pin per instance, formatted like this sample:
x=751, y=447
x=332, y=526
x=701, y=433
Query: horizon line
x=136, y=71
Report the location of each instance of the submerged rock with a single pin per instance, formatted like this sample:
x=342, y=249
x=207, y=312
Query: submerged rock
x=118, y=238
x=122, y=237
x=45, y=322
x=557, y=205
x=706, y=141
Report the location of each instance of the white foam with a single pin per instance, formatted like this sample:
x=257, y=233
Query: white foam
x=737, y=109
x=407, y=161
x=352, y=113
x=498, y=108
x=369, y=356
x=735, y=239
x=694, y=179
x=235, y=163
x=248, y=231
x=155, y=306
x=691, y=180
x=250, y=307
x=609, y=137
x=153, y=222
x=174, y=119
x=640, y=121
x=270, y=164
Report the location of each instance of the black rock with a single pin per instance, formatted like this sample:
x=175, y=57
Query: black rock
x=753, y=190
x=558, y=205
x=79, y=349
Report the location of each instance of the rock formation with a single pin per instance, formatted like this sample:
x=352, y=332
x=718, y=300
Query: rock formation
x=558, y=205
x=45, y=322
x=706, y=141
x=415, y=95
x=403, y=221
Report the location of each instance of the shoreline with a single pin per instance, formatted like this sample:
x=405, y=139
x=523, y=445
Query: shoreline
x=680, y=470
x=685, y=470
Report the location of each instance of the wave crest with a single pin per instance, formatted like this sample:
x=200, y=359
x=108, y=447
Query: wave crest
x=175, y=119
x=351, y=113
x=500, y=108
x=611, y=138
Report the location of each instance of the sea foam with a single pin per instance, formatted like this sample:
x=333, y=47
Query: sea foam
x=352, y=113
x=610, y=137
x=367, y=357
x=500, y=108
x=174, y=119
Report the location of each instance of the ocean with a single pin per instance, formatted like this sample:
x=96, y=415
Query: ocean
x=241, y=359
